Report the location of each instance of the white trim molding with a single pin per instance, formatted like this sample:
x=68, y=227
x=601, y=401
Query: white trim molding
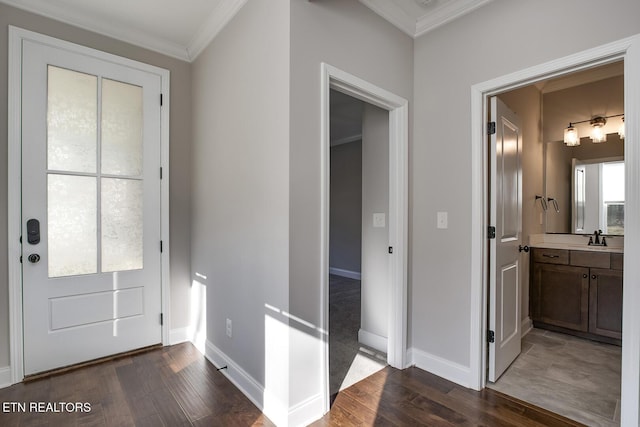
x=217, y=20
x=356, y=275
x=16, y=38
x=433, y=17
x=398, y=107
x=373, y=340
x=628, y=50
x=220, y=16
x=526, y=326
x=276, y=411
x=443, y=368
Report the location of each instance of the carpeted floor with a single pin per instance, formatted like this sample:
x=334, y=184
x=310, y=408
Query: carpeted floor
x=349, y=361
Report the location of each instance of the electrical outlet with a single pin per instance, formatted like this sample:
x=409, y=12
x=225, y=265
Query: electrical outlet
x=229, y=328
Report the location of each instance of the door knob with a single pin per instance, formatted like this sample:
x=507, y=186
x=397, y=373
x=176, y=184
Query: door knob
x=33, y=258
x=524, y=248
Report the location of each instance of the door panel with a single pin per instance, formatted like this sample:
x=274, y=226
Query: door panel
x=91, y=159
x=506, y=213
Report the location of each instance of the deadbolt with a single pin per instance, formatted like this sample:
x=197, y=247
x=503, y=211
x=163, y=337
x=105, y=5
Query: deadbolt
x=33, y=258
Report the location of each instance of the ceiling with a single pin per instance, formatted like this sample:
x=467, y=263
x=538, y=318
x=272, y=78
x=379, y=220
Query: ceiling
x=182, y=29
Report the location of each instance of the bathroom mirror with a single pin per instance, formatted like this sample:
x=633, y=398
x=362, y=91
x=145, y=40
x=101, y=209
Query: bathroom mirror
x=584, y=187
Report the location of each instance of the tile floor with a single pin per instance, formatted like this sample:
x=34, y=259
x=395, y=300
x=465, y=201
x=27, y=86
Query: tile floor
x=574, y=377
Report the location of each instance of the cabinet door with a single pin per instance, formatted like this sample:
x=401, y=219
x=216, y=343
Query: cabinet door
x=605, y=302
x=561, y=296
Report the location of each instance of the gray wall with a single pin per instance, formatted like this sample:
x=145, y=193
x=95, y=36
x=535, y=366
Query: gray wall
x=448, y=61
x=240, y=195
x=375, y=241
x=345, y=240
x=179, y=156
x=347, y=35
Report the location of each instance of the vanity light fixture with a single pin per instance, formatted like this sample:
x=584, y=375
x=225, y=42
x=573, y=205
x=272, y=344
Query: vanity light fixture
x=598, y=135
x=597, y=130
x=621, y=129
x=571, y=138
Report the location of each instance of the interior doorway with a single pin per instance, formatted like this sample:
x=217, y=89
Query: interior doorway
x=543, y=209
x=395, y=247
x=358, y=239
x=571, y=309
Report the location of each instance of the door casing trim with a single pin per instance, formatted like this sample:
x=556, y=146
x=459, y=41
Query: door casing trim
x=627, y=49
x=398, y=107
x=16, y=37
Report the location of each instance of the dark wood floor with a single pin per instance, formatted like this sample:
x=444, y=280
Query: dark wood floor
x=176, y=386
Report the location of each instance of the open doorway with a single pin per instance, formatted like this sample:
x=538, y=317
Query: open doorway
x=394, y=250
x=358, y=239
x=569, y=286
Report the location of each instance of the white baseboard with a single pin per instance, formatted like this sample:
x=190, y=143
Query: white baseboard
x=526, y=326
x=249, y=386
x=446, y=369
x=5, y=376
x=345, y=273
x=179, y=335
x=372, y=340
x=307, y=411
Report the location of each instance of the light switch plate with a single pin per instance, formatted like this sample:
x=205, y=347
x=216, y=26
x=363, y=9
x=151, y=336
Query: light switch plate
x=379, y=220
x=442, y=220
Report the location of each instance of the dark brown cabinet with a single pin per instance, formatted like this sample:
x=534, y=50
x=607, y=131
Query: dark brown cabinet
x=578, y=292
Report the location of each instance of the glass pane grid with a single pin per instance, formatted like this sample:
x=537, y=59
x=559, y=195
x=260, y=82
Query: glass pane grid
x=95, y=215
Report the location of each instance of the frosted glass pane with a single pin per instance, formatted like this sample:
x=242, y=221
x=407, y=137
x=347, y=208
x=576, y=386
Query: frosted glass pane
x=72, y=225
x=121, y=224
x=121, y=128
x=72, y=120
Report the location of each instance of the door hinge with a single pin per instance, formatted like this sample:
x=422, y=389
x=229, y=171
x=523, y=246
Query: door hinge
x=491, y=337
x=390, y=249
x=160, y=173
x=161, y=318
x=161, y=100
x=20, y=259
x=491, y=232
x=160, y=246
x=20, y=239
x=491, y=128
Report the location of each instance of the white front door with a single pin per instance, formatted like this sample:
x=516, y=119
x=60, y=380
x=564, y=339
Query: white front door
x=90, y=207
x=506, y=214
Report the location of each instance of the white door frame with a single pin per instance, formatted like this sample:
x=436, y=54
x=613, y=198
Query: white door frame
x=16, y=38
x=629, y=50
x=398, y=107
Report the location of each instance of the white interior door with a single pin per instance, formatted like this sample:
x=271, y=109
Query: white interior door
x=506, y=214
x=90, y=207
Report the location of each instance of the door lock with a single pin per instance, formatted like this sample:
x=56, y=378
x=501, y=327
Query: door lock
x=33, y=258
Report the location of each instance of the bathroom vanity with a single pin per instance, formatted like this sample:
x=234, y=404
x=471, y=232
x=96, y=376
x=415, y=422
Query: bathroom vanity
x=577, y=289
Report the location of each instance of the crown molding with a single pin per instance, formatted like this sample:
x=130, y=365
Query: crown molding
x=72, y=17
x=220, y=16
x=346, y=140
x=394, y=14
x=446, y=13
x=417, y=26
x=217, y=20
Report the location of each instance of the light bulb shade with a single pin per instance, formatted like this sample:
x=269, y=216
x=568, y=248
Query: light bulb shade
x=571, y=138
x=597, y=130
x=621, y=130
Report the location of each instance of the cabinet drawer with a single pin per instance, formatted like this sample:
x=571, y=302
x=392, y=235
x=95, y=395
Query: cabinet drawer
x=617, y=261
x=551, y=256
x=590, y=259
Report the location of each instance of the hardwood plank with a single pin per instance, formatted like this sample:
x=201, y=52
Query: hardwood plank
x=176, y=386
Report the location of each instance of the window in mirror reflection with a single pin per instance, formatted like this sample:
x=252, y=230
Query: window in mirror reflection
x=598, y=197
x=613, y=197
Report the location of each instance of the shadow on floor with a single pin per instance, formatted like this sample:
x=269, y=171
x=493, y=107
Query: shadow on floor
x=349, y=361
